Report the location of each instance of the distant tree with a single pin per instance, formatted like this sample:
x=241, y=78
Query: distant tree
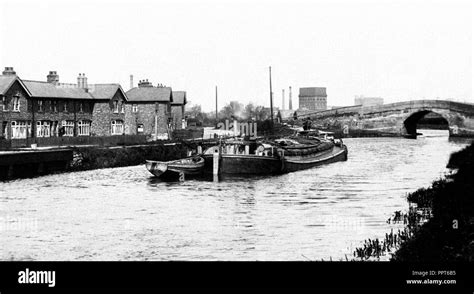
x=249, y=111
x=261, y=113
x=232, y=110
x=194, y=111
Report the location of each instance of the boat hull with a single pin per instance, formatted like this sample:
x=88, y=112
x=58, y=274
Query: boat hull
x=261, y=165
x=243, y=164
x=174, y=168
x=337, y=153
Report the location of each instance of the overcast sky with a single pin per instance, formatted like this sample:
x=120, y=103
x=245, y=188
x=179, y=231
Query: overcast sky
x=398, y=50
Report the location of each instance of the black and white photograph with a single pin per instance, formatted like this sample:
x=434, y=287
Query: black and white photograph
x=199, y=137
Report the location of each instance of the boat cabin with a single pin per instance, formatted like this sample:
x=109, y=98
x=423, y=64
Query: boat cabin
x=241, y=147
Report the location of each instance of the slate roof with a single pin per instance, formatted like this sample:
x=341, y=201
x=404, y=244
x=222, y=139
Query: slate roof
x=179, y=98
x=313, y=91
x=48, y=90
x=150, y=94
x=105, y=91
x=6, y=81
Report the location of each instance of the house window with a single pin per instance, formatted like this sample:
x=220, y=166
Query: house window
x=84, y=128
x=4, y=129
x=68, y=126
x=140, y=128
x=28, y=128
x=43, y=129
x=135, y=108
x=116, y=110
x=81, y=107
x=122, y=107
x=117, y=127
x=16, y=103
x=40, y=105
x=54, y=106
x=4, y=103
x=19, y=129
x=65, y=106
x=54, y=128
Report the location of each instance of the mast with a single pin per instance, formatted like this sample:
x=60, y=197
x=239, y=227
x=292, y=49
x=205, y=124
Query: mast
x=271, y=96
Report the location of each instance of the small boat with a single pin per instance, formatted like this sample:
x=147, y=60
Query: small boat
x=190, y=165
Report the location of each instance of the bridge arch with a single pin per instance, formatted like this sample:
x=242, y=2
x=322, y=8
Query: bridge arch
x=410, y=122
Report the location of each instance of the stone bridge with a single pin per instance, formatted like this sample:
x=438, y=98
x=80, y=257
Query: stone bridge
x=396, y=119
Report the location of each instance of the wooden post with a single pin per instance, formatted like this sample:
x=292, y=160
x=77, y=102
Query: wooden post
x=156, y=127
x=215, y=163
x=217, y=116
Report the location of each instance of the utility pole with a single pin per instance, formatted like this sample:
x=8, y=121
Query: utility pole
x=217, y=118
x=271, y=96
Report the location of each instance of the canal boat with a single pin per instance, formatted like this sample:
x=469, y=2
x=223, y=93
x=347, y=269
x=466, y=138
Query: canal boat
x=190, y=165
x=236, y=156
x=272, y=156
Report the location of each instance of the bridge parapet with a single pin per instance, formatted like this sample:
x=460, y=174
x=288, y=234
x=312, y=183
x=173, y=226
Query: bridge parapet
x=398, y=118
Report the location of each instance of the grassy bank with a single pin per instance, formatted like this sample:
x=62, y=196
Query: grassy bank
x=86, y=158
x=449, y=234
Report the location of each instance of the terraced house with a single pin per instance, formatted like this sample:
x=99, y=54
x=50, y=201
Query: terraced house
x=36, y=109
x=177, y=110
x=15, y=109
x=148, y=110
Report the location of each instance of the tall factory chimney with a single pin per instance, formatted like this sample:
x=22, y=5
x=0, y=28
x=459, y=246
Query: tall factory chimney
x=283, y=99
x=291, y=103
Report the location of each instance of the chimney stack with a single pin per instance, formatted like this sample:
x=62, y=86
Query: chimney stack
x=290, y=102
x=131, y=81
x=79, y=81
x=283, y=99
x=9, y=71
x=84, y=81
x=144, y=84
x=52, y=78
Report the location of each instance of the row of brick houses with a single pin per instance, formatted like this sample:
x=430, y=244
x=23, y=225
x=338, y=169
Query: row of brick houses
x=33, y=109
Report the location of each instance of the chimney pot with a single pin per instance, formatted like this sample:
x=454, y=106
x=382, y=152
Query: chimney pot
x=9, y=71
x=53, y=77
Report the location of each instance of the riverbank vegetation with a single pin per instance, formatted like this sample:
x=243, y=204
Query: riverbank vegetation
x=439, y=225
x=449, y=234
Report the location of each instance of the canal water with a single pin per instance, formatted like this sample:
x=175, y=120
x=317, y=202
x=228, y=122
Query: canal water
x=124, y=214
